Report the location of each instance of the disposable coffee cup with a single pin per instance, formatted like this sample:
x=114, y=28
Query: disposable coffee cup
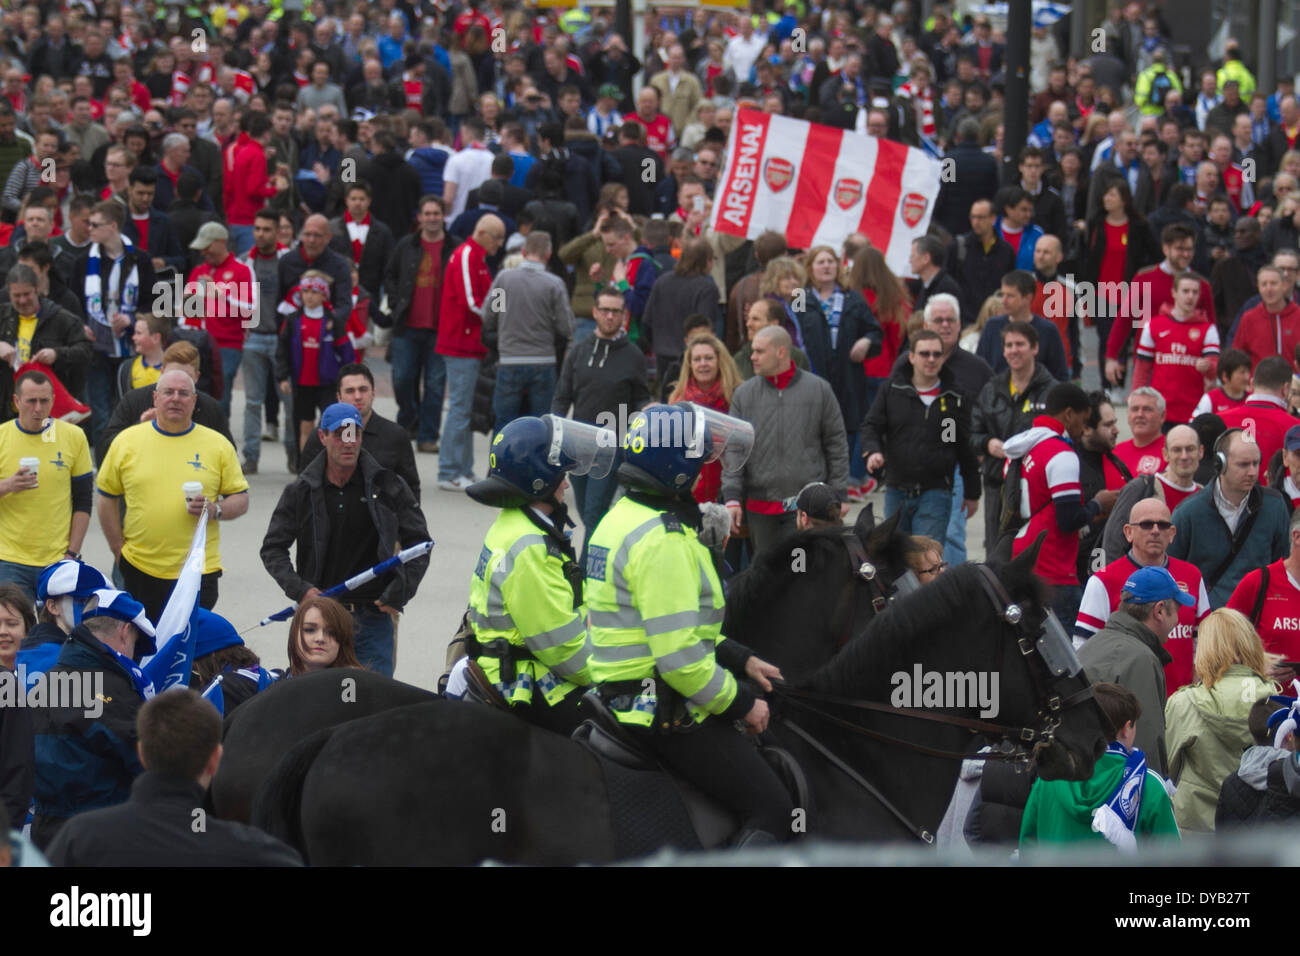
x=32, y=465
x=192, y=490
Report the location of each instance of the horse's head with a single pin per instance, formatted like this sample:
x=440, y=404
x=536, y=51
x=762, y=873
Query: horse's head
x=1042, y=680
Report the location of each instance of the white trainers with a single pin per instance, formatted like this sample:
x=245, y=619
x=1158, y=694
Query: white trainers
x=271, y=433
x=455, y=484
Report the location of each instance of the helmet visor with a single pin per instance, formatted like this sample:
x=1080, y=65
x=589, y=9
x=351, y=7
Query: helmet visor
x=715, y=436
x=579, y=448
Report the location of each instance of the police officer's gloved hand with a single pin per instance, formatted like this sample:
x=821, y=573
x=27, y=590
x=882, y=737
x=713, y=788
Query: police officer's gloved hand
x=715, y=524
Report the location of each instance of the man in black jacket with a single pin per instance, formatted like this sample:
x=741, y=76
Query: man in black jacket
x=385, y=439
x=313, y=252
x=59, y=338
x=603, y=379
x=971, y=175
x=979, y=259
x=362, y=238
x=413, y=279
x=137, y=405
x=149, y=227
x=180, y=749
x=1007, y=405
x=394, y=185
x=927, y=259
x=346, y=513
x=920, y=425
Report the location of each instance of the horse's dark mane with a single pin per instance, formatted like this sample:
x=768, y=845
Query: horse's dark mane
x=769, y=575
x=954, y=600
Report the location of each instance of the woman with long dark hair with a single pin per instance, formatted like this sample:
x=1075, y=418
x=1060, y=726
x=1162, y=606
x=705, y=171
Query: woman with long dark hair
x=1117, y=244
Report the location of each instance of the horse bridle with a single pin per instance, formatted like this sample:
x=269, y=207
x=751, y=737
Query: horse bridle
x=1056, y=661
x=864, y=573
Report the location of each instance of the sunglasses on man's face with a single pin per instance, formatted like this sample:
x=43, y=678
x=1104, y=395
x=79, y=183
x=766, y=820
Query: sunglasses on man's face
x=1151, y=525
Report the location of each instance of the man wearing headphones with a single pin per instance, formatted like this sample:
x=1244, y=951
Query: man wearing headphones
x=1233, y=525
x=1265, y=414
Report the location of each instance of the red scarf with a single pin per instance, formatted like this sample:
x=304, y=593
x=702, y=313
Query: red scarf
x=782, y=380
x=710, y=397
x=357, y=244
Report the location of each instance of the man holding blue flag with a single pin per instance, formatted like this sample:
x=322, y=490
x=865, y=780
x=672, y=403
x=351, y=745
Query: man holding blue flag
x=1122, y=803
x=346, y=512
x=86, y=749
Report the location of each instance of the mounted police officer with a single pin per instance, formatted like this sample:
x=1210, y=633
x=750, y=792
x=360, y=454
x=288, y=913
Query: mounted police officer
x=526, y=606
x=656, y=606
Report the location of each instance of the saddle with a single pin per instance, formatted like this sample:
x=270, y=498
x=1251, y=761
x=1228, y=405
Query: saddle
x=653, y=807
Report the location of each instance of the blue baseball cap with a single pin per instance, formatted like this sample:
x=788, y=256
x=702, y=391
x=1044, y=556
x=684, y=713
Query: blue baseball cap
x=122, y=607
x=1291, y=442
x=339, y=414
x=1149, y=585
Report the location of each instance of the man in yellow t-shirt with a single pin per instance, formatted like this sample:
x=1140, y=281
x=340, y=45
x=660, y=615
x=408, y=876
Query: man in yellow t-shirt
x=44, y=512
x=146, y=467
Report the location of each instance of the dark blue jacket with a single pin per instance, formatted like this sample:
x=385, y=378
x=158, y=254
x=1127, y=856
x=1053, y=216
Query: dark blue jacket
x=1051, y=350
x=848, y=381
x=974, y=176
x=332, y=355
x=1203, y=538
x=165, y=193
x=84, y=763
x=163, y=243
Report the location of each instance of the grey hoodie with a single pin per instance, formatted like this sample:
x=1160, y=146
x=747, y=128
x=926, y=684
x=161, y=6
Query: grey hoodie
x=529, y=314
x=1255, y=763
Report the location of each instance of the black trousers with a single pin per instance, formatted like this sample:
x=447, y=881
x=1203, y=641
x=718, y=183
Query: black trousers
x=562, y=718
x=153, y=592
x=44, y=829
x=727, y=766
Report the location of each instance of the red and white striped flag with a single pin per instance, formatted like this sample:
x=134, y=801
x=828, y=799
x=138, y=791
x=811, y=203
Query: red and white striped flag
x=816, y=184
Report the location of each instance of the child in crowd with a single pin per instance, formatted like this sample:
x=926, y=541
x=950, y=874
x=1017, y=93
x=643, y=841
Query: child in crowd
x=308, y=358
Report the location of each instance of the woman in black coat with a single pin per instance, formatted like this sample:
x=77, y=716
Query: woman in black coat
x=689, y=288
x=839, y=333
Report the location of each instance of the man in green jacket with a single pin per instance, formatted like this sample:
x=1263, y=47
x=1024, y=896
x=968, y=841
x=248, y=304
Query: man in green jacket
x=1066, y=811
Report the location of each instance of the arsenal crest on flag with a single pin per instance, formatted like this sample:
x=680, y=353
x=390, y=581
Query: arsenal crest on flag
x=816, y=184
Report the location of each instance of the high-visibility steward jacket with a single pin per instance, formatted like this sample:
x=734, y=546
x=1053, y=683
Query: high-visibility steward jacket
x=656, y=607
x=519, y=594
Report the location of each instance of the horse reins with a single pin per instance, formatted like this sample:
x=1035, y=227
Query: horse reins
x=863, y=572
x=1049, y=714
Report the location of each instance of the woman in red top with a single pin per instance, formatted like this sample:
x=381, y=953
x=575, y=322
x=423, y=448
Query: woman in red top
x=709, y=377
x=1118, y=243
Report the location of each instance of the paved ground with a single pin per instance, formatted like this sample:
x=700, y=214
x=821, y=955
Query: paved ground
x=456, y=524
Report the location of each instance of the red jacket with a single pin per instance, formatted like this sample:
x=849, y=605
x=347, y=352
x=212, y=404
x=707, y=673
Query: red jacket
x=1270, y=421
x=247, y=187
x=1260, y=333
x=465, y=286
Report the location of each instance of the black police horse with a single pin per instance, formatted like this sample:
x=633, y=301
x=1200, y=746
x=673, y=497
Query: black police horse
x=450, y=783
x=776, y=607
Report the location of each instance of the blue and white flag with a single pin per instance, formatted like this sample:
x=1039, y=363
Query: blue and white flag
x=215, y=695
x=171, y=666
x=1117, y=817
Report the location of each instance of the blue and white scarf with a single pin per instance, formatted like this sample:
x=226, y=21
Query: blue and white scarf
x=143, y=685
x=122, y=295
x=1117, y=817
x=832, y=308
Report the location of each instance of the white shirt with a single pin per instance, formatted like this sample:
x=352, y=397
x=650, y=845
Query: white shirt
x=741, y=54
x=468, y=169
x=1231, y=515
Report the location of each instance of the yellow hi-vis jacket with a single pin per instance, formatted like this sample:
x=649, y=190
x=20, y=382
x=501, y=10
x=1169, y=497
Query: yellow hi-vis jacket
x=655, y=604
x=519, y=593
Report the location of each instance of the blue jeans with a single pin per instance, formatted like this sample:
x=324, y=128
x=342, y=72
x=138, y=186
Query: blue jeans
x=954, y=542
x=258, y=364
x=101, y=384
x=925, y=513
x=583, y=329
x=229, y=369
x=374, y=640
x=522, y=390
x=414, y=362
x=857, y=464
x=26, y=576
x=456, y=458
x=241, y=239
x=593, y=497
x=1065, y=602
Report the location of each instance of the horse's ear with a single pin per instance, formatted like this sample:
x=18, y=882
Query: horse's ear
x=866, y=520
x=879, y=537
x=1027, y=560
